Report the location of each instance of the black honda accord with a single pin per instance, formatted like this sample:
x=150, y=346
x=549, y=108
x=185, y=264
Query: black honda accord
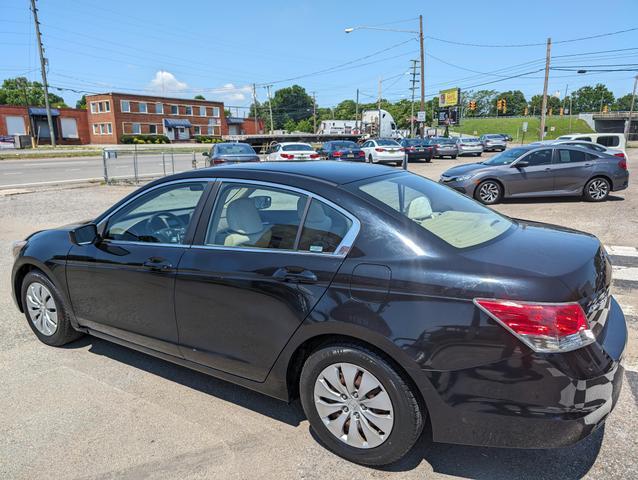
x=383, y=300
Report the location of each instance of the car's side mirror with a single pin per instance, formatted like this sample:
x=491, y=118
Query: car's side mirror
x=84, y=235
x=521, y=164
x=262, y=202
x=205, y=154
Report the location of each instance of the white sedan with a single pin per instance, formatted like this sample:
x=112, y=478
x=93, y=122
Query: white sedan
x=383, y=150
x=291, y=151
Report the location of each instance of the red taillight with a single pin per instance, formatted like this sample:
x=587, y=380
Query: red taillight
x=544, y=327
x=410, y=149
x=380, y=149
x=336, y=154
x=623, y=164
x=401, y=149
x=218, y=161
x=314, y=155
x=287, y=156
x=362, y=153
x=619, y=154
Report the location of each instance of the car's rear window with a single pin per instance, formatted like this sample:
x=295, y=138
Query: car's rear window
x=444, y=141
x=450, y=216
x=235, y=149
x=296, y=147
x=495, y=137
x=338, y=145
x=387, y=143
x=469, y=140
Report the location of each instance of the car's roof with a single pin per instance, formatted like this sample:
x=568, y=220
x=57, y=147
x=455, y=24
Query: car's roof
x=232, y=143
x=293, y=143
x=337, y=173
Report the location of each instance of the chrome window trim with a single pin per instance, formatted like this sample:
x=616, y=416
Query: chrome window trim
x=342, y=249
x=103, y=223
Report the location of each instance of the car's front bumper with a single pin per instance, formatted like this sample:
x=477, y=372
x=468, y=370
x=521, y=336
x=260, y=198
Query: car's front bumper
x=466, y=186
x=531, y=401
x=491, y=147
x=472, y=150
x=446, y=152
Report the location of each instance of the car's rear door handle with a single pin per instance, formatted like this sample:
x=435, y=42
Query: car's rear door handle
x=588, y=164
x=294, y=274
x=157, y=264
x=547, y=169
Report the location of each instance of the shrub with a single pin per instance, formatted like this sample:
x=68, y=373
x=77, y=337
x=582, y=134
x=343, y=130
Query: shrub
x=138, y=139
x=207, y=139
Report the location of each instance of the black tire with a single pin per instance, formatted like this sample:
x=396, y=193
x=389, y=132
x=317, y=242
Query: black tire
x=453, y=157
x=64, y=332
x=489, y=185
x=597, y=189
x=428, y=160
x=408, y=417
x=370, y=159
x=479, y=154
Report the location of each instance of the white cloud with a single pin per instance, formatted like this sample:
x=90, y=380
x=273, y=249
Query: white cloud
x=165, y=83
x=231, y=92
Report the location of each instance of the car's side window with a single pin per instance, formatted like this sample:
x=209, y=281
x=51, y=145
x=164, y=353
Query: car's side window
x=247, y=215
x=539, y=157
x=324, y=228
x=159, y=216
x=608, y=141
x=366, y=145
x=570, y=156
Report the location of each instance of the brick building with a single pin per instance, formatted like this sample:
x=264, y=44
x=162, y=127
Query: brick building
x=244, y=126
x=112, y=115
x=69, y=124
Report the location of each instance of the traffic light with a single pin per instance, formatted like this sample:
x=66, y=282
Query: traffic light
x=499, y=104
x=605, y=108
x=472, y=105
x=561, y=111
x=504, y=105
x=526, y=111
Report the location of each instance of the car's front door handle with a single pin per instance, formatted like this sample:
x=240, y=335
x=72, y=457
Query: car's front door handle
x=588, y=164
x=548, y=169
x=294, y=274
x=157, y=264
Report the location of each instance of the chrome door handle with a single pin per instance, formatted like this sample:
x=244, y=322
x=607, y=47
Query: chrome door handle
x=294, y=274
x=157, y=264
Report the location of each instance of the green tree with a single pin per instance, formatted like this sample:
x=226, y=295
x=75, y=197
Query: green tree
x=624, y=103
x=20, y=91
x=515, y=101
x=552, y=102
x=485, y=102
x=199, y=97
x=81, y=103
x=305, y=125
x=291, y=103
x=590, y=99
x=346, y=110
x=290, y=125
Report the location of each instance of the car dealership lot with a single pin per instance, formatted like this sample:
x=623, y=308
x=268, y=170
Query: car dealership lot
x=97, y=410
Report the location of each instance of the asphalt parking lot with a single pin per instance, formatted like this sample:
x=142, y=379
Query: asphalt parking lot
x=98, y=410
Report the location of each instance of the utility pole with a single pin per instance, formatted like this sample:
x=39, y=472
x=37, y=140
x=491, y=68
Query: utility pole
x=270, y=108
x=631, y=110
x=412, y=88
x=43, y=62
x=314, y=112
x=422, y=77
x=255, y=108
x=544, y=103
x=379, y=108
x=356, y=113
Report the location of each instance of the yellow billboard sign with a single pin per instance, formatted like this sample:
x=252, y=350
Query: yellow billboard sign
x=450, y=97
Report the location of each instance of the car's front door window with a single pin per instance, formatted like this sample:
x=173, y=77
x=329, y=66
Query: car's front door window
x=160, y=216
x=539, y=157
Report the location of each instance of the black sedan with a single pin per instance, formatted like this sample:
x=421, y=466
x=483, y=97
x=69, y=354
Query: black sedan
x=384, y=300
x=342, y=150
x=418, y=149
x=231, y=152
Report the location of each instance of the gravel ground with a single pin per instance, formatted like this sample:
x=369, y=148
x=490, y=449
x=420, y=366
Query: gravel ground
x=98, y=410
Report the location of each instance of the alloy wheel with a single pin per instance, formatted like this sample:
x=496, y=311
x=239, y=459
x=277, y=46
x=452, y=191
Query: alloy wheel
x=42, y=309
x=353, y=405
x=598, y=189
x=489, y=192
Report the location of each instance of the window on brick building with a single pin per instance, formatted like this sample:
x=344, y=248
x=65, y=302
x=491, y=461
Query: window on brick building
x=202, y=111
x=137, y=128
x=189, y=109
x=143, y=107
x=215, y=111
x=159, y=108
x=152, y=129
x=125, y=105
x=174, y=110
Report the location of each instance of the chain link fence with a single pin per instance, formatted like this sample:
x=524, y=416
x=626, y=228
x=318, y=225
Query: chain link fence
x=134, y=164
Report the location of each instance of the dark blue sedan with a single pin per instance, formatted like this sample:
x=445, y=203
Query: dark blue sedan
x=342, y=150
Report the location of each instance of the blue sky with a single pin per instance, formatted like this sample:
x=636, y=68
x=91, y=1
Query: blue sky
x=220, y=48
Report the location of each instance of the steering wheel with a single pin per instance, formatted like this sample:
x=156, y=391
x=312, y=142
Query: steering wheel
x=167, y=226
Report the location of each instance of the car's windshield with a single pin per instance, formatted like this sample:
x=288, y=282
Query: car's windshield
x=494, y=137
x=443, y=141
x=235, y=149
x=296, y=147
x=387, y=143
x=565, y=137
x=414, y=141
x=468, y=140
x=452, y=217
x=338, y=145
x=506, y=157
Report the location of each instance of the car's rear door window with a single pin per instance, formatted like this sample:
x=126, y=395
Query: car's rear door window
x=564, y=155
x=324, y=228
x=450, y=216
x=608, y=140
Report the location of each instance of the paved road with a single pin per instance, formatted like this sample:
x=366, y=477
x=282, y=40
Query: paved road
x=17, y=173
x=101, y=411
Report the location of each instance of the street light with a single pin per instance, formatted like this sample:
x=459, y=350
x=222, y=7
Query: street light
x=419, y=33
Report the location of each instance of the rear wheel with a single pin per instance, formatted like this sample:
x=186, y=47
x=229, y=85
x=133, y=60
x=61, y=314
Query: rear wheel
x=597, y=189
x=46, y=311
x=453, y=157
x=370, y=160
x=489, y=192
x=359, y=405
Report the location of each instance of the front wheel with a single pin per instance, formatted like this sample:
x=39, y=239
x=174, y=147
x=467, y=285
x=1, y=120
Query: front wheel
x=597, y=189
x=360, y=407
x=453, y=157
x=489, y=192
x=46, y=310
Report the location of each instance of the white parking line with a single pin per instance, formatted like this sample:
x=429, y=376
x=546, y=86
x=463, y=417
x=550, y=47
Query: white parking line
x=12, y=173
x=622, y=251
x=625, y=273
